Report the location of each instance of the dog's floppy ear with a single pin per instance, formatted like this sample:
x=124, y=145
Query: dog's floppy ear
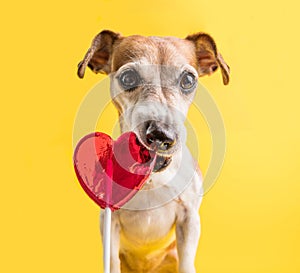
x=98, y=56
x=208, y=57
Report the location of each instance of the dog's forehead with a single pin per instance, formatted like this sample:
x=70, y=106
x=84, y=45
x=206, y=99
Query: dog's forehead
x=153, y=50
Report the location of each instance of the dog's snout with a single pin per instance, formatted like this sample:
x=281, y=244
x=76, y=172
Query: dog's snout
x=159, y=139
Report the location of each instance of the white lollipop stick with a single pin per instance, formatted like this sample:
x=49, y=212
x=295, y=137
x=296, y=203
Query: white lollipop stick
x=107, y=219
x=106, y=240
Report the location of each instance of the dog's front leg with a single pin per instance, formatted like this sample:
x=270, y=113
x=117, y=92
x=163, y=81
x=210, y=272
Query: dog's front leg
x=115, y=242
x=187, y=236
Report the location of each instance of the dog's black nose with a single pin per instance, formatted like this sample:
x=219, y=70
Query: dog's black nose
x=159, y=139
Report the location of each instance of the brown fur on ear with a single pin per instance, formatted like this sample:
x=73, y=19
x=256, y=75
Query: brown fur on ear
x=208, y=57
x=98, y=55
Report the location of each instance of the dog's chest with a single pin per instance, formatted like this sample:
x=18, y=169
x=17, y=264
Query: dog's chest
x=147, y=227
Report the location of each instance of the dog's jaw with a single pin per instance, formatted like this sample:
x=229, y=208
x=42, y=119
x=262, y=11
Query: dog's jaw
x=161, y=163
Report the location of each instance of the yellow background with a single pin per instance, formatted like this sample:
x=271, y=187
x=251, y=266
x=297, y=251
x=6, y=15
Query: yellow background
x=250, y=219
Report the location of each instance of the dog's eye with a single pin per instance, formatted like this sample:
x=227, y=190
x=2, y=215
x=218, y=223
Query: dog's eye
x=187, y=81
x=129, y=79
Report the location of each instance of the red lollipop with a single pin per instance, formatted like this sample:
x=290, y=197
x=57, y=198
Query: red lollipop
x=111, y=173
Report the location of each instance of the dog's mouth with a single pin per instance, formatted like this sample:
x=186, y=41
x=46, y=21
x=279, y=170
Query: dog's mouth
x=161, y=161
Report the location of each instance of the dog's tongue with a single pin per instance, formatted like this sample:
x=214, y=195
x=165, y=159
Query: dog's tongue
x=111, y=172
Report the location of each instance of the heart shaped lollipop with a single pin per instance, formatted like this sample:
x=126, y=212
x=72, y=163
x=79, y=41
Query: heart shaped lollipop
x=111, y=172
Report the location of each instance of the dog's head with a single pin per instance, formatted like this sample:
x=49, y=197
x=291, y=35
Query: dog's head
x=153, y=82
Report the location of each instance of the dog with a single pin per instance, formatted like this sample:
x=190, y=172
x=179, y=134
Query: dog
x=153, y=82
